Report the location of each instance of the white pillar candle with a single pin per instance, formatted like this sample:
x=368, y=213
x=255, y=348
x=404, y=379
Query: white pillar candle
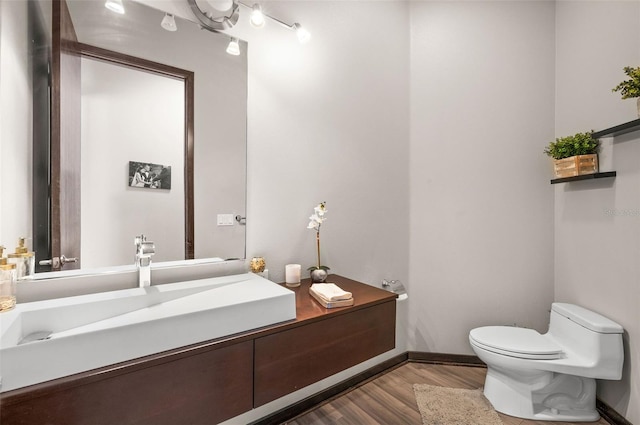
x=292, y=274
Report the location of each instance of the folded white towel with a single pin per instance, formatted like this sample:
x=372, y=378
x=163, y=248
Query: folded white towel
x=331, y=291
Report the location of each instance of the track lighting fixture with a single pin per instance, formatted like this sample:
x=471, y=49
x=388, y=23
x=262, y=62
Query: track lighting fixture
x=221, y=5
x=301, y=32
x=257, y=17
x=115, y=6
x=234, y=47
x=218, y=23
x=169, y=22
x=221, y=23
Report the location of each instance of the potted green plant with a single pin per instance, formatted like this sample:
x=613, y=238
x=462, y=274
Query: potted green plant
x=574, y=155
x=630, y=88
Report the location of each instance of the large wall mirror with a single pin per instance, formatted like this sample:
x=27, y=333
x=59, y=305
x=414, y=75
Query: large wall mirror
x=128, y=117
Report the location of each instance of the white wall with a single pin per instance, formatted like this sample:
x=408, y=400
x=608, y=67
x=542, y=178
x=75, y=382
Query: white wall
x=481, y=205
x=328, y=121
x=114, y=132
x=15, y=125
x=597, y=224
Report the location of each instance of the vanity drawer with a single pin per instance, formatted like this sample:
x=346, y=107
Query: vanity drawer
x=292, y=359
x=206, y=388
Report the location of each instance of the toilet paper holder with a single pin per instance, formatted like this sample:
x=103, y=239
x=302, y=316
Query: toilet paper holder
x=395, y=286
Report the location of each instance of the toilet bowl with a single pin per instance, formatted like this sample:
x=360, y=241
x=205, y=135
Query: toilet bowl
x=550, y=377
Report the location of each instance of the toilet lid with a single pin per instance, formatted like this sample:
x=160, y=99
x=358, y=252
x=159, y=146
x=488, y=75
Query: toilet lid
x=516, y=342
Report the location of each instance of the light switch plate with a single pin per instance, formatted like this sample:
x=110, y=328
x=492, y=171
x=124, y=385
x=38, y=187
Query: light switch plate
x=225, y=219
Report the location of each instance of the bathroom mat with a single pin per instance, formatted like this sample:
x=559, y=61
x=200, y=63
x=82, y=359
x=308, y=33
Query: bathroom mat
x=454, y=406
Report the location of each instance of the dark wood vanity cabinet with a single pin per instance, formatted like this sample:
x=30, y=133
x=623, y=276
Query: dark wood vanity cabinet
x=292, y=359
x=213, y=381
x=322, y=342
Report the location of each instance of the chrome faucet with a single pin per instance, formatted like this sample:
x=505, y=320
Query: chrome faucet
x=144, y=251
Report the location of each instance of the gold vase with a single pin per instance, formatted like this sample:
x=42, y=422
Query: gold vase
x=257, y=265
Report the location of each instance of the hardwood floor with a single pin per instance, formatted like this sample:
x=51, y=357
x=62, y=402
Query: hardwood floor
x=389, y=399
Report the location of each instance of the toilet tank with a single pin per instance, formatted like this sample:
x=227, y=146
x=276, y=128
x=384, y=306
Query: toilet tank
x=593, y=338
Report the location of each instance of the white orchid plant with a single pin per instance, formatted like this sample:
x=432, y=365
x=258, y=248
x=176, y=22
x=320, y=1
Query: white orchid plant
x=315, y=222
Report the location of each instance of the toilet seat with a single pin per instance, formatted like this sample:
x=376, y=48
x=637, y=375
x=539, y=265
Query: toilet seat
x=515, y=342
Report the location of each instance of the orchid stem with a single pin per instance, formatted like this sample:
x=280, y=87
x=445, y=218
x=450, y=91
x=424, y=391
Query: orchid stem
x=318, y=243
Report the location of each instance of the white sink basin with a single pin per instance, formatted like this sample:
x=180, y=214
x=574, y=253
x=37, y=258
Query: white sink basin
x=91, y=331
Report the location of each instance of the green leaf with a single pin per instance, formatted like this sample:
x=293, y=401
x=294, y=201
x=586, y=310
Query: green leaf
x=629, y=88
x=578, y=144
x=318, y=268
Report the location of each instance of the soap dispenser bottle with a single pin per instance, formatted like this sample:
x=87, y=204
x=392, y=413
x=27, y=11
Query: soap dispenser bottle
x=24, y=260
x=7, y=284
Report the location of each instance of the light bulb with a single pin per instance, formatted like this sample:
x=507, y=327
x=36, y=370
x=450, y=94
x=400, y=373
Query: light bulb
x=115, y=6
x=234, y=47
x=303, y=34
x=169, y=22
x=257, y=17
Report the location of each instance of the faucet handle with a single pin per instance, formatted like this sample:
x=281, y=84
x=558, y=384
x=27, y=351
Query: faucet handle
x=147, y=248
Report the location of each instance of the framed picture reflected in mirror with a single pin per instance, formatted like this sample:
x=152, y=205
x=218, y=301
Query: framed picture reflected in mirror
x=149, y=175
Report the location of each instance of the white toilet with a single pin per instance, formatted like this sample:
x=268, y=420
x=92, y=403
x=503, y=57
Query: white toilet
x=550, y=377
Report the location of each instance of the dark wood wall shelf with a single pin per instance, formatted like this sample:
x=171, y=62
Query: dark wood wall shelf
x=618, y=130
x=585, y=177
